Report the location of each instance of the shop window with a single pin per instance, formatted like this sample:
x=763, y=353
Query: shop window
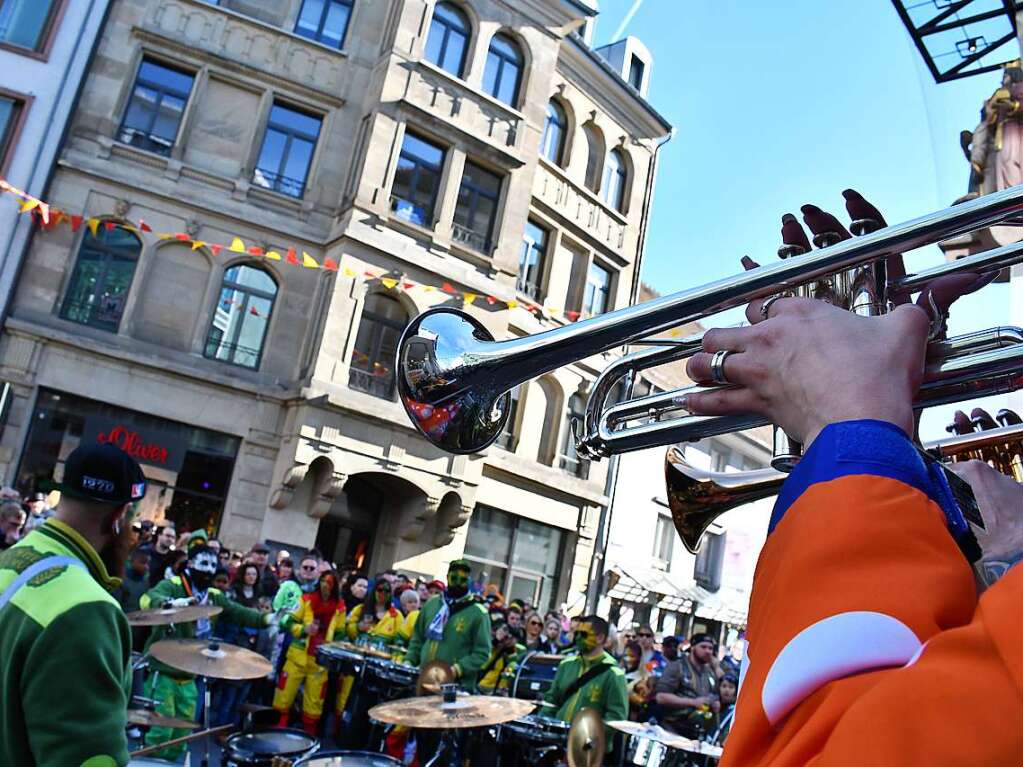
x=448, y=40
x=325, y=21
x=241, y=317
x=417, y=180
x=597, y=292
x=10, y=117
x=156, y=106
x=25, y=23
x=102, y=277
x=476, y=210
x=615, y=177
x=508, y=438
x=520, y=556
x=503, y=72
x=531, y=261
x=594, y=156
x=552, y=143
x=569, y=459
x=376, y=346
x=710, y=561
x=287, y=152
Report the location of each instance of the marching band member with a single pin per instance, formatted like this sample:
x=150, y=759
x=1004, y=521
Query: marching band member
x=319, y=615
x=453, y=627
x=496, y=674
x=590, y=679
x=863, y=598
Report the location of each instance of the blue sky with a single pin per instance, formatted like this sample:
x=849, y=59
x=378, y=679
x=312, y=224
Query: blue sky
x=777, y=104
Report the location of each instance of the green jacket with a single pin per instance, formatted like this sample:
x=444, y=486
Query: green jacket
x=606, y=693
x=65, y=648
x=465, y=642
x=174, y=588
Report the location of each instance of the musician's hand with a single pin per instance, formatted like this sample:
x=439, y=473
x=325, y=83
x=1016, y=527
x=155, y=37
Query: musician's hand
x=180, y=602
x=812, y=364
x=311, y=628
x=1001, y=503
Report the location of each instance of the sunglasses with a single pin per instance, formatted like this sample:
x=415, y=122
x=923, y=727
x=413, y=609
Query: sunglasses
x=309, y=567
x=582, y=634
x=535, y=623
x=645, y=636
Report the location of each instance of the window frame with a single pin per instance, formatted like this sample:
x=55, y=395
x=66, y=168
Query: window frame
x=377, y=340
x=47, y=36
x=596, y=148
x=573, y=463
x=327, y=5
x=708, y=565
x=430, y=217
x=109, y=254
x=633, y=68
x=607, y=291
x=508, y=438
x=522, y=285
x=617, y=171
x=448, y=29
x=558, y=157
x=505, y=61
x=187, y=98
x=248, y=292
x=289, y=134
x=10, y=138
x=664, y=538
x=475, y=193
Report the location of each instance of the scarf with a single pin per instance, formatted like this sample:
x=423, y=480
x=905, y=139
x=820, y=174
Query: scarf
x=203, y=626
x=435, y=631
x=323, y=613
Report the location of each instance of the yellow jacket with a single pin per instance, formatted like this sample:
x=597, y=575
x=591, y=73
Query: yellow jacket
x=304, y=616
x=405, y=632
x=387, y=627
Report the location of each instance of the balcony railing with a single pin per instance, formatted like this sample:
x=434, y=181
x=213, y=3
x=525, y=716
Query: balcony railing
x=575, y=465
x=531, y=289
x=148, y=141
x=472, y=239
x=381, y=386
x=293, y=187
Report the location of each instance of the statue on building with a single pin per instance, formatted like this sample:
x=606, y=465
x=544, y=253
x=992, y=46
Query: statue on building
x=995, y=147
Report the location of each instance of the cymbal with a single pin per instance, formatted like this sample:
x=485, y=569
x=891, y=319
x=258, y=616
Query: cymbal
x=586, y=739
x=163, y=616
x=148, y=718
x=432, y=675
x=430, y=713
x=210, y=659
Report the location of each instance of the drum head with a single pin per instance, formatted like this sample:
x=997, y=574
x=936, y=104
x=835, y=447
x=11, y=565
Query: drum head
x=347, y=759
x=287, y=743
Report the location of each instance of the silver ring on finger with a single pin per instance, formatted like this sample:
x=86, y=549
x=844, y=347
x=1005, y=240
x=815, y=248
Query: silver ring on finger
x=765, y=308
x=717, y=367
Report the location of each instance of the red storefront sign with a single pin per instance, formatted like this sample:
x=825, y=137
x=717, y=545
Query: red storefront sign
x=134, y=445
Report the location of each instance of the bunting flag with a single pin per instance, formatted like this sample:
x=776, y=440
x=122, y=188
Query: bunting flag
x=48, y=217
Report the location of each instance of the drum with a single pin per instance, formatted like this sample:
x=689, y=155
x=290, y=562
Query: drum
x=340, y=658
x=347, y=759
x=390, y=679
x=645, y=752
x=538, y=730
x=535, y=676
x=257, y=749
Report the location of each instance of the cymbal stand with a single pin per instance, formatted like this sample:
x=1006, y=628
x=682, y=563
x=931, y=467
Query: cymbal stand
x=449, y=738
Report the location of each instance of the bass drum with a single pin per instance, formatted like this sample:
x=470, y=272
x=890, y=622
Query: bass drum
x=347, y=759
x=258, y=749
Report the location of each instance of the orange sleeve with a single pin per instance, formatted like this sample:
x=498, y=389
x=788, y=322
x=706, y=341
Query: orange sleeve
x=866, y=641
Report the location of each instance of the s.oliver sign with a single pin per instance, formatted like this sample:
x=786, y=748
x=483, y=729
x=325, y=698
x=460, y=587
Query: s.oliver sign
x=157, y=447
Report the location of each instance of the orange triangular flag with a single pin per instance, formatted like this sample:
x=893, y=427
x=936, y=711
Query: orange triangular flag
x=292, y=257
x=144, y=227
x=216, y=249
x=237, y=246
x=309, y=262
x=76, y=223
x=255, y=251
x=330, y=263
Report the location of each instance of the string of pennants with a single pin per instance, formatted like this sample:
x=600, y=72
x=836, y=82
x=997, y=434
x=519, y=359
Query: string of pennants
x=49, y=217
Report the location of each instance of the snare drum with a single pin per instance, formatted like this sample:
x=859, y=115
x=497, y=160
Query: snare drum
x=348, y=759
x=390, y=678
x=539, y=729
x=258, y=749
x=340, y=659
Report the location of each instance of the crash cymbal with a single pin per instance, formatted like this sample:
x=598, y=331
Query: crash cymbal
x=163, y=616
x=432, y=675
x=586, y=739
x=210, y=659
x=148, y=718
x=431, y=713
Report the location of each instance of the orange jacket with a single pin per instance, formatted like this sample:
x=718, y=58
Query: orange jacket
x=867, y=643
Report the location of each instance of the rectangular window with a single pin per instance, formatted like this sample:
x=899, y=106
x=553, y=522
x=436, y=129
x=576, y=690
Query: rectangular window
x=531, y=261
x=709, y=561
x=10, y=114
x=156, y=107
x=520, y=556
x=287, y=151
x=24, y=23
x=417, y=180
x=508, y=437
x=596, y=298
x=636, y=72
x=664, y=541
x=325, y=21
x=477, y=207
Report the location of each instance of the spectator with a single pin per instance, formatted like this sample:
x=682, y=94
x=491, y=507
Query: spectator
x=214, y=545
x=135, y=582
x=260, y=556
x=685, y=693
x=376, y=617
x=309, y=574
x=355, y=593
x=285, y=570
x=12, y=523
x=669, y=648
x=569, y=644
x=628, y=635
x=514, y=615
x=506, y=652
x=435, y=588
x=637, y=683
x=38, y=511
x=732, y=661
x=281, y=556
x=221, y=580
x=552, y=630
x=728, y=689
x=422, y=590
x=651, y=661
x=630, y=661
x=410, y=608
x=160, y=555
x=145, y=530
x=536, y=640
x=246, y=587
x=492, y=595
x=224, y=557
x=611, y=642
x=177, y=561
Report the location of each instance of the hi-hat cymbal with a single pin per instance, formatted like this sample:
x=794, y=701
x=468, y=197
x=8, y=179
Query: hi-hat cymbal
x=432, y=676
x=163, y=616
x=210, y=659
x=586, y=739
x=148, y=718
x=431, y=713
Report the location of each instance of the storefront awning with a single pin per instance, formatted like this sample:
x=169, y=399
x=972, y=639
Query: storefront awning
x=668, y=591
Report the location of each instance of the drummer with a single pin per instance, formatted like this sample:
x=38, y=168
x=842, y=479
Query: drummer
x=590, y=679
x=174, y=691
x=453, y=627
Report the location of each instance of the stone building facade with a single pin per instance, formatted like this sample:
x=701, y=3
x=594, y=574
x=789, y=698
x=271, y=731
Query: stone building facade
x=479, y=145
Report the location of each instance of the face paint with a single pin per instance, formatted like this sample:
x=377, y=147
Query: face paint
x=458, y=583
x=203, y=566
x=585, y=639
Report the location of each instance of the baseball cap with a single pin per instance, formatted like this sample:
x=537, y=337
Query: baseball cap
x=261, y=548
x=700, y=638
x=103, y=474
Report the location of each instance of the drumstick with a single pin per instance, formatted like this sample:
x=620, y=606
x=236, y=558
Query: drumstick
x=185, y=739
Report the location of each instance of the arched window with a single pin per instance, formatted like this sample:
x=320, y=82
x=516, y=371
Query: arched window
x=594, y=156
x=448, y=40
x=613, y=188
x=503, y=73
x=241, y=316
x=552, y=145
x=103, y=274
x=376, y=346
x=569, y=460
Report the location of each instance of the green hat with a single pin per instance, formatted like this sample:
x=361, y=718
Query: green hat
x=460, y=564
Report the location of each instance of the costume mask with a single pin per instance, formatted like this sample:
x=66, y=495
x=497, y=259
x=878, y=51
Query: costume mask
x=585, y=639
x=458, y=583
x=202, y=567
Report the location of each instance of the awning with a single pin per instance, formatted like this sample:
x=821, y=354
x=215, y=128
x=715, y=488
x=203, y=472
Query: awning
x=668, y=591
